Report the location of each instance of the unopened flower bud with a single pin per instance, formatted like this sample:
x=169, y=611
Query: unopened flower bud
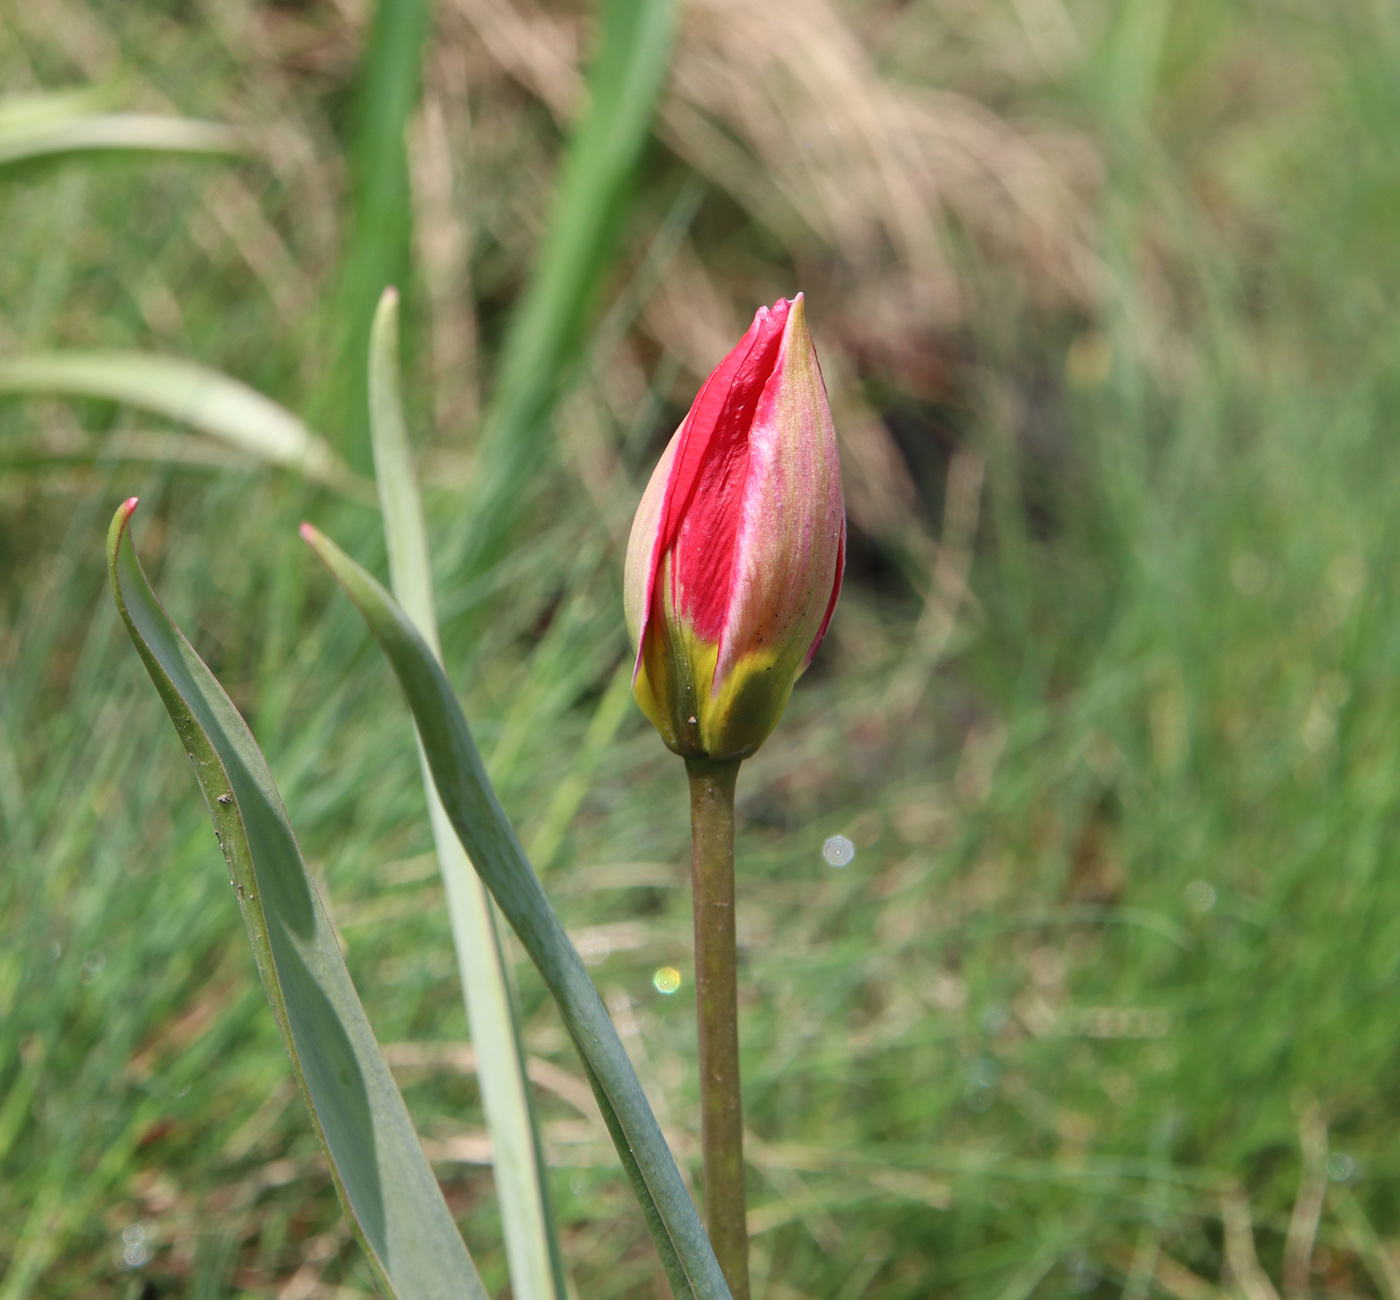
x=736, y=553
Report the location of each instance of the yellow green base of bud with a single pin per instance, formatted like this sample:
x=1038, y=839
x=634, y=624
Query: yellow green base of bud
x=675, y=691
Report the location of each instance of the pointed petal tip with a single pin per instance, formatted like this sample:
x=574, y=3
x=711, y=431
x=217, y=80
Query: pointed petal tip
x=782, y=314
x=128, y=507
x=779, y=311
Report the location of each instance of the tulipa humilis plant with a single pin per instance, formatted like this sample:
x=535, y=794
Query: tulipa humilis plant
x=733, y=570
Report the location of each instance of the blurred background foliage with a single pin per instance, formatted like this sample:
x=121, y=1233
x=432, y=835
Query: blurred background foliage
x=1105, y=294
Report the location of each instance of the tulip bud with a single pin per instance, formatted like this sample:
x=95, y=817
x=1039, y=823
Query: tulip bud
x=736, y=553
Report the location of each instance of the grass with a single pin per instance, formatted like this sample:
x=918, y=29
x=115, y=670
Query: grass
x=1119, y=936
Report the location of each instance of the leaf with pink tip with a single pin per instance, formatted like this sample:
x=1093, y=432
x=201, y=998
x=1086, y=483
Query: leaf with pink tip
x=495, y=852
x=384, y=1181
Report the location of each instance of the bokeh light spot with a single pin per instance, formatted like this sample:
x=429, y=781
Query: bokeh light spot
x=839, y=851
x=1341, y=1168
x=1200, y=897
x=666, y=980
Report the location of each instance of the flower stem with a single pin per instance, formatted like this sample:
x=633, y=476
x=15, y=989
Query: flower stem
x=717, y=1007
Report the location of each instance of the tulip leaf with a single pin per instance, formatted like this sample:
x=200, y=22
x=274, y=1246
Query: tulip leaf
x=495, y=851
x=184, y=391
x=517, y=1160
x=384, y=1181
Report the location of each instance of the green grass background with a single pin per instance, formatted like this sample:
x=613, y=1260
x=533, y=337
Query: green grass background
x=1120, y=939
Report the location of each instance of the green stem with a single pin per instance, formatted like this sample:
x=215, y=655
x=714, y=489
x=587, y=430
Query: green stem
x=717, y=1007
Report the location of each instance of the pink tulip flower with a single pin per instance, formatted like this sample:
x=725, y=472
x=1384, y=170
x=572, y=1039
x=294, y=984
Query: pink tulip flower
x=737, y=550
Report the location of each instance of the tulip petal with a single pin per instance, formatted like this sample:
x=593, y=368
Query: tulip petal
x=704, y=498
x=786, y=565
x=644, y=552
x=736, y=555
x=835, y=594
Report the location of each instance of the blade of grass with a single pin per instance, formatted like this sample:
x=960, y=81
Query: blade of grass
x=570, y=793
x=547, y=330
x=496, y=853
x=384, y=1181
x=30, y=136
x=379, y=244
x=532, y=1249
x=186, y=392
x=26, y=111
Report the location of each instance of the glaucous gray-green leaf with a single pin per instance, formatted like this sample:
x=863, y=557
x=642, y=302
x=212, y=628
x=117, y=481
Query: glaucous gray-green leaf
x=532, y=1249
x=495, y=851
x=385, y=1183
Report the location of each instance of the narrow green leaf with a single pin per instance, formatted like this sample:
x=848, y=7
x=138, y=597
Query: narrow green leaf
x=184, y=391
x=27, y=110
x=496, y=853
x=384, y=1181
x=381, y=233
x=532, y=1250
x=548, y=329
x=43, y=126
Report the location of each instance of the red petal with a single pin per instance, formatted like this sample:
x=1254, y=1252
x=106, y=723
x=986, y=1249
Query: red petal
x=701, y=514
